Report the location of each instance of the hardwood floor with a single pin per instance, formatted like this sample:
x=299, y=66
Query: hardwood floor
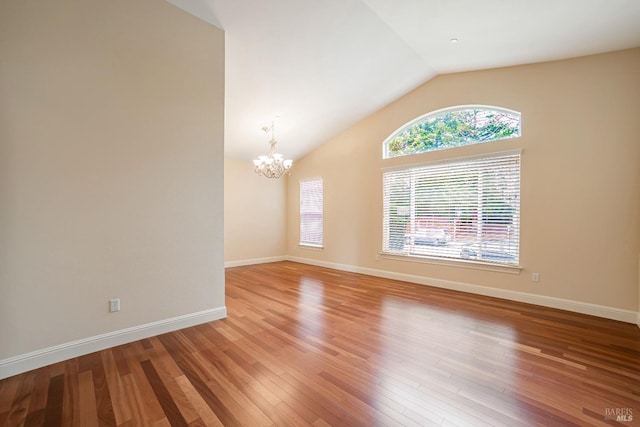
x=304, y=345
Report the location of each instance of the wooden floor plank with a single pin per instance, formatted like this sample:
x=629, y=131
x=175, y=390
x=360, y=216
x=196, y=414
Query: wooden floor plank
x=305, y=345
x=21, y=393
x=113, y=376
x=53, y=410
x=38, y=401
x=139, y=414
x=206, y=415
x=165, y=399
x=88, y=413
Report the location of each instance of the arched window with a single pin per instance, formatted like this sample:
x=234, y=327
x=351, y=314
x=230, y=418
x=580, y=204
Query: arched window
x=453, y=127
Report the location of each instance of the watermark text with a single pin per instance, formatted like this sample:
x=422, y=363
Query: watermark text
x=621, y=415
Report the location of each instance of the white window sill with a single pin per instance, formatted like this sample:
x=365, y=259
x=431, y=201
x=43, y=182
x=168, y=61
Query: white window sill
x=475, y=265
x=310, y=246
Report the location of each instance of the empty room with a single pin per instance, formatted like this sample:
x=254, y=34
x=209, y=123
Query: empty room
x=336, y=213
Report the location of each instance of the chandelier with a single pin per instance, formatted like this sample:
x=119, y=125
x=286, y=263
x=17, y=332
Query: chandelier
x=273, y=164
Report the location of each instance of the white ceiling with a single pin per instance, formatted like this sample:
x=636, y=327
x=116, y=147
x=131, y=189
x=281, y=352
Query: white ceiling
x=322, y=65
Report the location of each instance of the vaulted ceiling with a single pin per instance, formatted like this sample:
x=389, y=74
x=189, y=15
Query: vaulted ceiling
x=323, y=65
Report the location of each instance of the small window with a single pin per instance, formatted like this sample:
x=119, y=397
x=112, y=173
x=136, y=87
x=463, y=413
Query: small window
x=463, y=209
x=453, y=127
x=311, y=212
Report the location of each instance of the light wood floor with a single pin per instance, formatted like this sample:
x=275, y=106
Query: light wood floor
x=305, y=345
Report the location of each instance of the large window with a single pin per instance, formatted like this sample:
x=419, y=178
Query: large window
x=311, y=216
x=453, y=127
x=465, y=209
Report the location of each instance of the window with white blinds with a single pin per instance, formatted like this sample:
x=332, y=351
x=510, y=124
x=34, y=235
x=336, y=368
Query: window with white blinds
x=466, y=209
x=311, y=212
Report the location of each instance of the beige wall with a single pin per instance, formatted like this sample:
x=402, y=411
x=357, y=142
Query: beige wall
x=254, y=214
x=111, y=168
x=580, y=204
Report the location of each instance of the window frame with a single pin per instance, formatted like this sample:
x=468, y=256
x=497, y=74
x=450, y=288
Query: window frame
x=385, y=144
x=483, y=264
x=307, y=243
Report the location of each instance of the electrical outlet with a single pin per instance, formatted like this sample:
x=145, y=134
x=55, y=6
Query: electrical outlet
x=114, y=305
x=535, y=277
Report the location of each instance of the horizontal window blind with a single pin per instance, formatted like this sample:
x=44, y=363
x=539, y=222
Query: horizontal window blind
x=311, y=212
x=465, y=209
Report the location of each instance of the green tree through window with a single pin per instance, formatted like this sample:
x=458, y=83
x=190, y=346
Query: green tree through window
x=453, y=128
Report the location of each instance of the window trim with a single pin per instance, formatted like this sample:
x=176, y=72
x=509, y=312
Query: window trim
x=456, y=262
x=301, y=243
x=385, y=143
x=512, y=152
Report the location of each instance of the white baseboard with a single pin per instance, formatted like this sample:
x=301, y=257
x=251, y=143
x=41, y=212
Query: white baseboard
x=546, y=301
x=39, y=358
x=243, y=262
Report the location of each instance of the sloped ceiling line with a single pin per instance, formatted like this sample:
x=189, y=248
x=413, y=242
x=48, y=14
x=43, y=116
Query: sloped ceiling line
x=323, y=66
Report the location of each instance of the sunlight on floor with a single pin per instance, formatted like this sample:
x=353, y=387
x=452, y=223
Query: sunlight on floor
x=416, y=336
x=311, y=300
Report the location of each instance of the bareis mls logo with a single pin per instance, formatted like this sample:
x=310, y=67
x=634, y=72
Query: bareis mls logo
x=624, y=415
